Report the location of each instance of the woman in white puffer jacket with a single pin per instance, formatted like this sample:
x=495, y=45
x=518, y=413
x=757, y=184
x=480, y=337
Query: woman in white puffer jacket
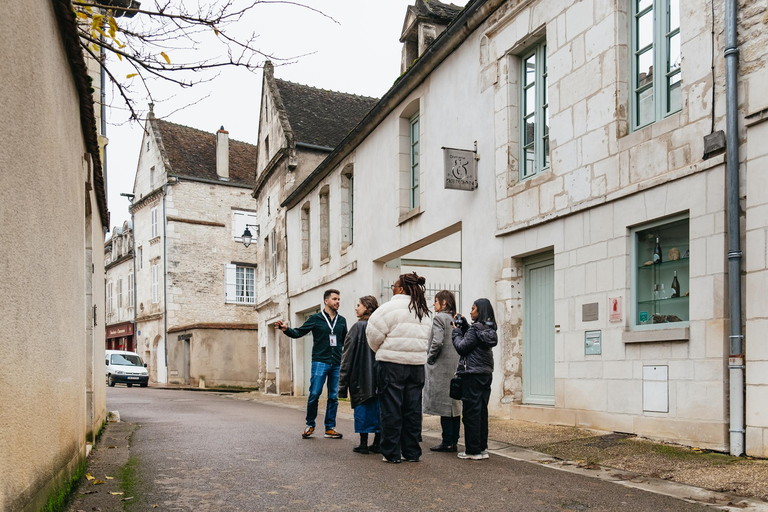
x=398, y=332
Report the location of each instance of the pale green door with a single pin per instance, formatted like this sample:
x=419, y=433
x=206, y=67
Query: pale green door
x=539, y=330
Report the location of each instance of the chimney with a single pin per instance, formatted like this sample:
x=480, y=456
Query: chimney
x=222, y=153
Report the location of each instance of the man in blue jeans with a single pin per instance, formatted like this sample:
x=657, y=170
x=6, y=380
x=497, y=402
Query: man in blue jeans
x=329, y=330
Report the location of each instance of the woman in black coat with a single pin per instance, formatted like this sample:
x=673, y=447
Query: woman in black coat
x=474, y=344
x=357, y=377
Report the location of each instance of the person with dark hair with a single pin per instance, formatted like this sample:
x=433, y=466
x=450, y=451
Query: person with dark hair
x=474, y=344
x=442, y=359
x=357, y=377
x=398, y=332
x=329, y=329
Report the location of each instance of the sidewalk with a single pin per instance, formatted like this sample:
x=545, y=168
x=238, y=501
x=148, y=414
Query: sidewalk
x=688, y=473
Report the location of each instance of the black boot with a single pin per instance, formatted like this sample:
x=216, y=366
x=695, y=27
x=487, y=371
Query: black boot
x=376, y=441
x=363, y=448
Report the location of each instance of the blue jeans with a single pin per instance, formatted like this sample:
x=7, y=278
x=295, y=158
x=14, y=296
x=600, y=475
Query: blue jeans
x=319, y=373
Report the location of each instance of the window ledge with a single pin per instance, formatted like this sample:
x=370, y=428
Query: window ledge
x=154, y=240
x=325, y=260
x=656, y=335
x=409, y=215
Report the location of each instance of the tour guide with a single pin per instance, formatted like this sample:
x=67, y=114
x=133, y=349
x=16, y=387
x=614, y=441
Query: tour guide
x=329, y=330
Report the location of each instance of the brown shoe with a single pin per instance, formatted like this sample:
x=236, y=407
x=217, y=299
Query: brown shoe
x=331, y=433
x=308, y=432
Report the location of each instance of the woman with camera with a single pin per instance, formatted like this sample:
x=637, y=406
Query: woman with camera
x=357, y=377
x=398, y=332
x=442, y=359
x=474, y=343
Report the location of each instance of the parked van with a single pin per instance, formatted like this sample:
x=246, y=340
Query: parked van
x=126, y=368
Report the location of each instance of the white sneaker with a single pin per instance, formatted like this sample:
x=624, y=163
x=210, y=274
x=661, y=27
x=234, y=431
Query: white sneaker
x=484, y=454
x=465, y=455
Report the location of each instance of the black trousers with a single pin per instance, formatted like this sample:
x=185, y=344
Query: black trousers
x=475, y=393
x=399, y=389
x=451, y=429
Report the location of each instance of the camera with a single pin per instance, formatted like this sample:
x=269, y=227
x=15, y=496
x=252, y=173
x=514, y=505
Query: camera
x=458, y=321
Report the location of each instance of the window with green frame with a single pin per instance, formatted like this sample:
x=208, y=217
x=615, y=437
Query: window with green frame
x=534, y=112
x=655, y=47
x=415, y=169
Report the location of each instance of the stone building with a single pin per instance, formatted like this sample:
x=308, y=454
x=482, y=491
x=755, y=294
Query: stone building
x=298, y=128
x=119, y=293
x=52, y=301
x=195, y=279
x=596, y=221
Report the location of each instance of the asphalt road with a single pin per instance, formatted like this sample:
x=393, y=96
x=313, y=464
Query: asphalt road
x=204, y=451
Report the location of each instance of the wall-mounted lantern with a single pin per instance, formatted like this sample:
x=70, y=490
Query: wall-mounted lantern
x=247, y=236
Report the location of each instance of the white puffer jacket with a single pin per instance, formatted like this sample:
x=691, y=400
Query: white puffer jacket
x=397, y=335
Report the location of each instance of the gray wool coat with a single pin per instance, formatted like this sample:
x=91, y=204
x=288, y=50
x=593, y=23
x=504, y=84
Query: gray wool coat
x=442, y=359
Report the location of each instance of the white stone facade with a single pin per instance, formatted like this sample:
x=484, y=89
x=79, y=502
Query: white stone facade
x=118, y=261
x=604, y=181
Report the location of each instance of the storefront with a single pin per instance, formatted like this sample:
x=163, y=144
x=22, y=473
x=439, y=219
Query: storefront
x=120, y=337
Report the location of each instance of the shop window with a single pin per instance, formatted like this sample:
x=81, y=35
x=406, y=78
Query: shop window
x=660, y=274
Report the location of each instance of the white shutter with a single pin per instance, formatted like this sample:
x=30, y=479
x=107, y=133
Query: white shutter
x=153, y=215
x=238, y=226
x=230, y=280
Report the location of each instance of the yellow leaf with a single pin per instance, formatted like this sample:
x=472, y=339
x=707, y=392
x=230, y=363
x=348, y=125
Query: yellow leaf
x=87, y=8
x=109, y=477
x=89, y=477
x=112, y=26
x=95, y=47
x=116, y=493
x=215, y=30
x=119, y=57
x=131, y=75
x=165, y=56
x=82, y=15
x=97, y=29
x=98, y=482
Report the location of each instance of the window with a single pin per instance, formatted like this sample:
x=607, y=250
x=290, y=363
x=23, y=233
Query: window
x=273, y=251
x=660, y=276
x=152, y=176
x=239, y=284
x=534, y=113
x=109, y=298
x=119, y=293
x=655, y=46
x=415, y=192
x=267, y=256
x=269, y=207
x=155, y=284
x=130, y=290
x=140, y=258
x=153, y=216
x=347, y=208
x=147, y=146
x=325, y=231
x=305, y=259
x=266, y=148
x=239, y=220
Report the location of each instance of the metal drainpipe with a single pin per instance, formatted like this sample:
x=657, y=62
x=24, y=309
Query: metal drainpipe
x=736, y=354
x=165, y=279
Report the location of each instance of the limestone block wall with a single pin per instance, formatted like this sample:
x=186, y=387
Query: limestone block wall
x=756, y=303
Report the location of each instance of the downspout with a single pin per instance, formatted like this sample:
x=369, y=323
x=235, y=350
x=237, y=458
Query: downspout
x=736, y=353
x=165, y=278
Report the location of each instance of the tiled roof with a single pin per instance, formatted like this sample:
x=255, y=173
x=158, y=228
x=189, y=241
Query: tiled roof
x=321, y=117
x=192, y=152
x=438, y=9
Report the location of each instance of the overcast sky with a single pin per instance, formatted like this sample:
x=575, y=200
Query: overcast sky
x=359, y=55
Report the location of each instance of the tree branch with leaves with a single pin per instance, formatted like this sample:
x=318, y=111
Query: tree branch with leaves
x=170, y=43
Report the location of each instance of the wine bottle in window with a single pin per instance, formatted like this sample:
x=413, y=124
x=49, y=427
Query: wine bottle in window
x=657, y=253
x=675, y=286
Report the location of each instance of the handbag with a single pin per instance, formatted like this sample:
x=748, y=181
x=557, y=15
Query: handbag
x=455, y=391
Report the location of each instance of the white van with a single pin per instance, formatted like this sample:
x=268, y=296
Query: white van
x=126, y=367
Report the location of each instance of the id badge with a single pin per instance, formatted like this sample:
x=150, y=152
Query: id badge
x=333, y=340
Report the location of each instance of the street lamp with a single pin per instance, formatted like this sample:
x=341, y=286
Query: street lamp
x=247, y=236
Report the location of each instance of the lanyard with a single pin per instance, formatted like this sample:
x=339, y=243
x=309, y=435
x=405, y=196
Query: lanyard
x=336, y=319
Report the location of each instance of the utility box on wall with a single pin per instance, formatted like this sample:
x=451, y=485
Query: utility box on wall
x=656, y=388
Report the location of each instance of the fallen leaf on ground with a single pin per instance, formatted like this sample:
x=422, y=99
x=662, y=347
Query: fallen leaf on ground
x=111, y=446
x=88, y=476
x=127, y=499
x=89, y=492
x=98, y=482
x=109, y=477
x=116, y=493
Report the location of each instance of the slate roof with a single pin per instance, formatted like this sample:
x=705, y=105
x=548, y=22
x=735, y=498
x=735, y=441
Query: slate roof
x=321, y=117
x=438, y=9
x=191, y=152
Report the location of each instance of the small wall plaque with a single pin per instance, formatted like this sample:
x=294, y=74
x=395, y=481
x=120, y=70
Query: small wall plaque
x=614, y=309
x=589, y=312
x=593, y=343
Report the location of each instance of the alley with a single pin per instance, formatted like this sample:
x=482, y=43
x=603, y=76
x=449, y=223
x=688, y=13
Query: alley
x=207, y=452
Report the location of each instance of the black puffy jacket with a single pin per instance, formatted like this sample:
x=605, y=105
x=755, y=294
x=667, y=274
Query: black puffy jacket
x=474, y=347
x=357, y=375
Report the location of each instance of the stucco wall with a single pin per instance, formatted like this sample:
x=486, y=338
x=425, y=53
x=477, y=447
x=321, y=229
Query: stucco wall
x=44, y=313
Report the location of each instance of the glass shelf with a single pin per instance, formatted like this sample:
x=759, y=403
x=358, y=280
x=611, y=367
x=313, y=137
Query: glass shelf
x=673, y=301
x=667, y=265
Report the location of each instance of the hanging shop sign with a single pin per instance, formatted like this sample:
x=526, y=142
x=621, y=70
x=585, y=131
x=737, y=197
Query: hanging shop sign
x=120, y=330
x=460, y=168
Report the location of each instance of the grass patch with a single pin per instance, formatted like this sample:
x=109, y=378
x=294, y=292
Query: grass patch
x=61, y=497
x=129, y=481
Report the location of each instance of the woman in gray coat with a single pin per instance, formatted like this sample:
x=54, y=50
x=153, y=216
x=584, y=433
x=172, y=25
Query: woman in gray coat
x=442, y=359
